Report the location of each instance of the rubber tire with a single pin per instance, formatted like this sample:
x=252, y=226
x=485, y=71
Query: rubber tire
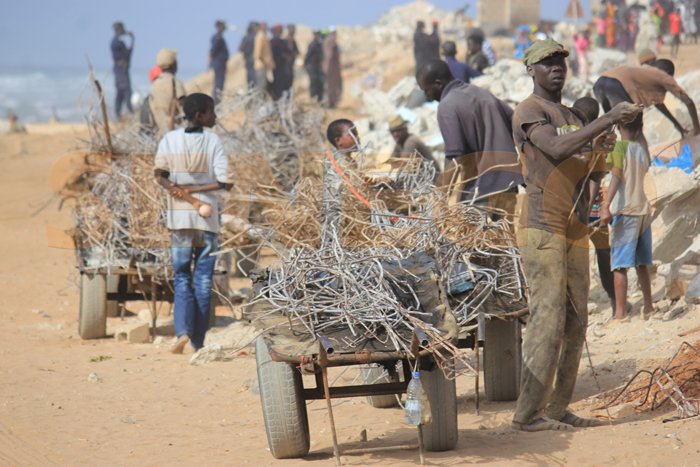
x=442, y=434
x=284, y=409
x=92, y=321
x=112, y=286
x=502, y=360
x=376, y=374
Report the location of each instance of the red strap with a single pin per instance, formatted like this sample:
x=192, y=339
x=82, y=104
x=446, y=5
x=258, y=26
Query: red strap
x=345, y=179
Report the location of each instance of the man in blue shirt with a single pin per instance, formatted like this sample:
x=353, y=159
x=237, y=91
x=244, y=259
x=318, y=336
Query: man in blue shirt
x=460, y=71
x=218, y=56
x=121, y=55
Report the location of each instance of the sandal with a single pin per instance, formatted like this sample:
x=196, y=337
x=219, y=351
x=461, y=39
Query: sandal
x=580, y=422
x=541, y=424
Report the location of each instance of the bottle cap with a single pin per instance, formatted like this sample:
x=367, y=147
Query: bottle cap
x=416, y=374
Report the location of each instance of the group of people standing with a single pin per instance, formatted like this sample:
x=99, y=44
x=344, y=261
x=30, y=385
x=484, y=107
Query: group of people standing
x=269, y=57
x=561, y=154
x=269, y=63
x=277, y=56
x=618, y=23
x=428, y=47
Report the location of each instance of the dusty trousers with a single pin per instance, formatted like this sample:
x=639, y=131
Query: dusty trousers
x=556, y=269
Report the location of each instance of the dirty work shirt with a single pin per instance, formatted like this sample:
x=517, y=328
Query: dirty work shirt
x=192, y=158
x=645, y=84
x=633, y=160
x=473, y=122
x=164, y=90
x=553, y=184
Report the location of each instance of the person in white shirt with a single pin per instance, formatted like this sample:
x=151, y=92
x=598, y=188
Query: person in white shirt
x=191, y=164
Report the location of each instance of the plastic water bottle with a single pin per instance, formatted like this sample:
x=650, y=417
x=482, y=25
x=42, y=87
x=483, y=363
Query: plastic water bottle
x=414, y=395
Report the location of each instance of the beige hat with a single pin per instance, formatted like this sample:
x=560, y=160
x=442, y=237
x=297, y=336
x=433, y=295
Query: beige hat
x=397, y=122
x=166, y=58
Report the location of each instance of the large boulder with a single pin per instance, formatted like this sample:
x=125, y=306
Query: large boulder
x=693, y=294
x=690, y=82
x=675, y=197
x=508, y=80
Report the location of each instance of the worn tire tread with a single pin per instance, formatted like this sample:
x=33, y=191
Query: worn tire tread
x=284, y=409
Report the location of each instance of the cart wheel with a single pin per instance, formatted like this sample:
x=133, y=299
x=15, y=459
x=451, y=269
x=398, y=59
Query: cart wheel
x=92, y=322
x=374, y=374
x=502, y=360
x=284, y=409
x=112, y=286
x=442, y=433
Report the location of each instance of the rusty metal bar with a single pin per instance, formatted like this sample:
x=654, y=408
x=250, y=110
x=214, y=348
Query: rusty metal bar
x=323, y=358
x=326, y=344
x=398, y=447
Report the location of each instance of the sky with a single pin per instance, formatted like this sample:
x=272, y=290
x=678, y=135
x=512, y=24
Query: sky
x=64, y=33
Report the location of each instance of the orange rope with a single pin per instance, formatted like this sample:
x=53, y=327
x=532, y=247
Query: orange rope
x=346, y=180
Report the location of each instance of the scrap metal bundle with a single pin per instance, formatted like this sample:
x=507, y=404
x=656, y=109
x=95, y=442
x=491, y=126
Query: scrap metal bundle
x=120, y=208
x=350, y=296
x=475, y=255
x=285, y=135
x=677, y=382
x=119, y=218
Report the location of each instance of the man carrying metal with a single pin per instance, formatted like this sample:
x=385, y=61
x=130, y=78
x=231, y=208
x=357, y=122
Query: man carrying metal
x=557, y=152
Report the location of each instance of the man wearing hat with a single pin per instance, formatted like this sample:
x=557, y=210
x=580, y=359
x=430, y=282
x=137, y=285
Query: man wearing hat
x=166, y=92
x=408, y=144
x=646, y=56
x=557, y=152
x=218, y=56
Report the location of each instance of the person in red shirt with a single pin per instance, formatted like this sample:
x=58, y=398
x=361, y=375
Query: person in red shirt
x=675, y=28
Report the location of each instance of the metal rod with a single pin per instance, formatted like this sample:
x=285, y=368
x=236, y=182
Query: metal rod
x=476, y=376
x=421, y=448
x=105, y=120
x=398, y=447
x=422, y=337
x=326, y=344
x=329, y=405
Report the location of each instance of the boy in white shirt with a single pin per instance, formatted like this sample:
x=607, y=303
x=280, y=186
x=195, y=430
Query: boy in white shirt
x=191, y=163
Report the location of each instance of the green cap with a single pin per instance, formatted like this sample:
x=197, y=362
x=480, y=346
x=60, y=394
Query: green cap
x=543, y=49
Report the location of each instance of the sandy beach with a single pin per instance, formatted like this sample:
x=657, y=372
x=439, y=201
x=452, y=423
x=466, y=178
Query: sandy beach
x=70, y=402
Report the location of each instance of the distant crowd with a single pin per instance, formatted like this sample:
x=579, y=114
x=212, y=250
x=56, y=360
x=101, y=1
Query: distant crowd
x=427, y=47
x=269, y=60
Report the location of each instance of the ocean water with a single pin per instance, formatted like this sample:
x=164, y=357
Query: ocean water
x=34, y=93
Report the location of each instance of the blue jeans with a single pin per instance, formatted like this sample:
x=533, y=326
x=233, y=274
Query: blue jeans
x=193, y=281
